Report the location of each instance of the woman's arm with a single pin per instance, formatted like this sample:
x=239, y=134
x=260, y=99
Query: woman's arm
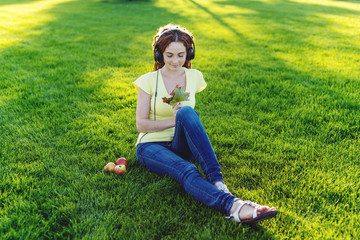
x=143, y=123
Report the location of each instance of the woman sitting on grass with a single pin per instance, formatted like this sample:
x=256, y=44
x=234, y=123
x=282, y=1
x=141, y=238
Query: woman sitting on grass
x=171, y=136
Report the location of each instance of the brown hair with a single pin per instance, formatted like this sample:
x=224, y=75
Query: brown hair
x=162, y=41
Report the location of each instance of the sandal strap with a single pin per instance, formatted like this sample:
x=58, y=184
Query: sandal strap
x=254, y=205
x=235, y=215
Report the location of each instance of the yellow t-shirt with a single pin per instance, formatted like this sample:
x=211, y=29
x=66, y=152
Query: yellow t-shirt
x=194, y=83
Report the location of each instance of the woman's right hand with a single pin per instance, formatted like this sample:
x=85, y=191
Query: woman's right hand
x=177, y=108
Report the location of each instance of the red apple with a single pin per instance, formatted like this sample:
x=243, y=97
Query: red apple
x=122, y=161
x=109, y=167
x=120, y=169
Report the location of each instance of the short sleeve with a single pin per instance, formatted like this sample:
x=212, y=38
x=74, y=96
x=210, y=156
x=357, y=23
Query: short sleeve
x=145, y=83
x=200, y=83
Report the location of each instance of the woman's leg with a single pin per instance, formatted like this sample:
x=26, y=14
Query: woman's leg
x=191, y=139
x=159, y=158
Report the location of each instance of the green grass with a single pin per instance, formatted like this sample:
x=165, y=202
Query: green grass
x=281, y=109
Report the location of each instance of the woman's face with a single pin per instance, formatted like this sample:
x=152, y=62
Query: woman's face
x=174, y=56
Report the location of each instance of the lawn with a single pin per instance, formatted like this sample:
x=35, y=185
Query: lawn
x=282, y=110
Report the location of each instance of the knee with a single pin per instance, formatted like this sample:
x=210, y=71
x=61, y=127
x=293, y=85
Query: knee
x=190, y=170
x=186, y=112
x=186, y=171
x=189, y=175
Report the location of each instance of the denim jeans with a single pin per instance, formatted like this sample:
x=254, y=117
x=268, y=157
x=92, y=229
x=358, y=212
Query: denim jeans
x=174, y=158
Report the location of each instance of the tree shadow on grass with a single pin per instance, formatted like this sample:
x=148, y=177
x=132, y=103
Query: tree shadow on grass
x=289, y=15
x=216, y=17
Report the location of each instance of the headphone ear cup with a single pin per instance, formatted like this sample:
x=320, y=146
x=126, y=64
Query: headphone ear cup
x=190, y=54
x=158, y=56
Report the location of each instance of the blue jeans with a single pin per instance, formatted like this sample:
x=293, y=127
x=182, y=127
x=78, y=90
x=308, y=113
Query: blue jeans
x=174, y=158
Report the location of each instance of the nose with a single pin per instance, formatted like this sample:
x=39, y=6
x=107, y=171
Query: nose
x=175, y=59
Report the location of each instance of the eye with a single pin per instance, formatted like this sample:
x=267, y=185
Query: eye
x=169, y=55
x=181, y=55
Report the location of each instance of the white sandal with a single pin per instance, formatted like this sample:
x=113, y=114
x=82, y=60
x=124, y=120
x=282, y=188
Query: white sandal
x=255, y=217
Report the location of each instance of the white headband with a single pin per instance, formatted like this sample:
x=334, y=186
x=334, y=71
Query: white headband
x=171, y=29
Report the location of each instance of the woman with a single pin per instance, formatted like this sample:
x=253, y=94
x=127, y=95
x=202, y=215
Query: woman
x=171, y=138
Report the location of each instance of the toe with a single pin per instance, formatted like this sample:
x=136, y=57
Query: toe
x=264, y=209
